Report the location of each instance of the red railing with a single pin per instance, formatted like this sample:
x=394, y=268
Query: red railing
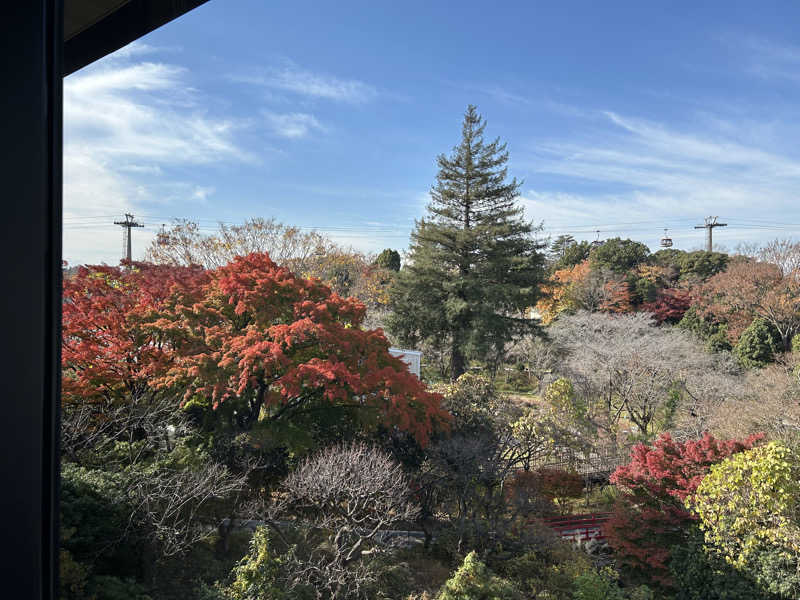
x=579, y=527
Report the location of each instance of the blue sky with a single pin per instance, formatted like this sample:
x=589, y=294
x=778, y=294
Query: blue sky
x=623, y=117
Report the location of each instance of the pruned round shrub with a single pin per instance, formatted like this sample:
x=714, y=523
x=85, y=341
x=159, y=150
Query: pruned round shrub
x=758, y=345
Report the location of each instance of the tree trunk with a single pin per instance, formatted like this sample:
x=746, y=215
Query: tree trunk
x=457, y=362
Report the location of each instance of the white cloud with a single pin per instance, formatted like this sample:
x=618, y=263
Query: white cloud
x=134, y=49
x=291, y=78
x=125, y=122
x=128, y=112
x=202, y=193
x=292, y=125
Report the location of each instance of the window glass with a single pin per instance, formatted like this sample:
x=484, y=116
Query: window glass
x=425, y=300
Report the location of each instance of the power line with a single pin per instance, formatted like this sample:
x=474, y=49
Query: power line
x=398, y=231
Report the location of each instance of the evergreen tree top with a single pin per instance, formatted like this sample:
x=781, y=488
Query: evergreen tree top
x=471, y=184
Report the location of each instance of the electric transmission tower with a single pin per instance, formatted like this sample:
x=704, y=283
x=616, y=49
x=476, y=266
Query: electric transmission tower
x=710, y=223
x=127, y=225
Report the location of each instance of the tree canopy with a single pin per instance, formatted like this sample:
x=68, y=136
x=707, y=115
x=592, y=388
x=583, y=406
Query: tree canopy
x=750, y=289
x=620, y=255
x=388, y=259
x=249, y=340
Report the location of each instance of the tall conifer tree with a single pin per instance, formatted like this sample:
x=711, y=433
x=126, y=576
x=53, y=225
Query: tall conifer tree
x=475, y=266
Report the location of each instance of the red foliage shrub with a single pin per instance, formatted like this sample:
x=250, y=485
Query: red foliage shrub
x=109, y=353
x=649, y=517
x=522, y=484
x=670, y=305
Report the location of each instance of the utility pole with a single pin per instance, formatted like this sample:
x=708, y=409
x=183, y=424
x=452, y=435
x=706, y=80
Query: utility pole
x=710, y=223
x=127, y=225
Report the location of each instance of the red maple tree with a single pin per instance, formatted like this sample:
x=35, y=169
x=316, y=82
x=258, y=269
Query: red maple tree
x=650, y=516
x=249, y=335
x=109, y=352
x=670, y=305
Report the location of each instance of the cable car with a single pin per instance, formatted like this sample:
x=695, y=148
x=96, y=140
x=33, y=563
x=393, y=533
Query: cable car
x=666, y=241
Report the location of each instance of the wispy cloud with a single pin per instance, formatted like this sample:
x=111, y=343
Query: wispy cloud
x=127, y=111
x=643, y=175
x=293, y=79
x=125, y=122
x=134, y=50
x=502, y=95
x=292, y=125
x=764, y=58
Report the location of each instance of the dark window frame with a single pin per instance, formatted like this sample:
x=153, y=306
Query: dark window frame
x=35, y=61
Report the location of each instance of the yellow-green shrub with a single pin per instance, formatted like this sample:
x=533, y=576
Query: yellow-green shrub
x=749, y=512
x=750, y=499
x=474, y=581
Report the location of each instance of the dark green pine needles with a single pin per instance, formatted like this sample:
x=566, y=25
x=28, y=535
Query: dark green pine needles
x=474, y=264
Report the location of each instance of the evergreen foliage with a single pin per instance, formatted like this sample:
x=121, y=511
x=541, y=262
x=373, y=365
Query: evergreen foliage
x=702, y=264
x=572, y=255
x=667, y=257
x=388, y=259
x=565, y=252
x=474, y=265
x=547, y=572
x=559, y=245
x=620, y=255
x=757, y=345
x=597, y=585
x=644, y=290
x=702, y=575
x=474, y=581
x=699, y=264
x=714, y=334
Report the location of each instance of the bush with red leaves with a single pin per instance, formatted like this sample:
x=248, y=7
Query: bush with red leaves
x=650, y=516
x=670, y=305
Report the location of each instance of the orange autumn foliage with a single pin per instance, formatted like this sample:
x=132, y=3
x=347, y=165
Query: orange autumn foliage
x=559, y=293
x=249, y=333
x=618, y=298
